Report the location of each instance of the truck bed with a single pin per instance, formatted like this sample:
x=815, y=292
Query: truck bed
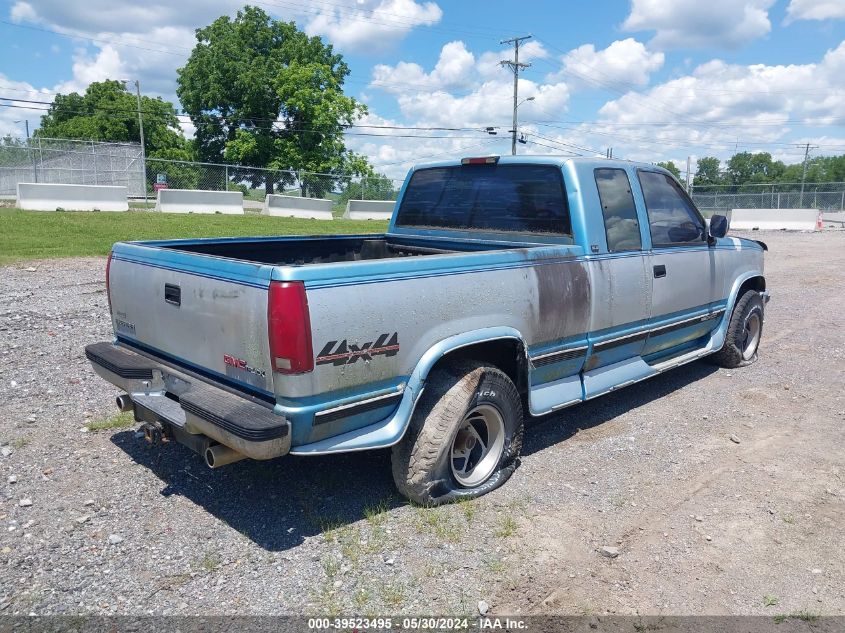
x=314, y=250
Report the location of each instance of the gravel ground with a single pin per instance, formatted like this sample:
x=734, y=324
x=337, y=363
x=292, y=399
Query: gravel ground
x=722, y=491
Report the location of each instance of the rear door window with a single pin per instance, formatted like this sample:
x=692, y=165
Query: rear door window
x=673, y=219
x=620, y=213
x=497, y=198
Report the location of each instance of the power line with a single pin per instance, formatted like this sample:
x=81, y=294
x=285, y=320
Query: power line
x=656, y=142
x=416, y=159
x=569, y=152
x=93, y=39
x=287, y=130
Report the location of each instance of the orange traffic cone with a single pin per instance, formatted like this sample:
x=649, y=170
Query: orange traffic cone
x=819, y=223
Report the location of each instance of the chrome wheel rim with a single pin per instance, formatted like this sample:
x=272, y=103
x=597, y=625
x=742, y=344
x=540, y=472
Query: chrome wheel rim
x=751, y=335
x=477, y=446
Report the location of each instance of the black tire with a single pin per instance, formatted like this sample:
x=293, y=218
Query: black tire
x=423, y=468
x=736, y=351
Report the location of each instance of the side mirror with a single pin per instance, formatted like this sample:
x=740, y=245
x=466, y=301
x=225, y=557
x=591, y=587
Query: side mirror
x=718, y=226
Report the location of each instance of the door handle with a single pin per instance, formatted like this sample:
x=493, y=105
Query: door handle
x=173, y=294
x=659, y=271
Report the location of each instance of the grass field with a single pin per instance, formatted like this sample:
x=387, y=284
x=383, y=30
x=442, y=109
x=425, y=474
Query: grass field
x=40, y=235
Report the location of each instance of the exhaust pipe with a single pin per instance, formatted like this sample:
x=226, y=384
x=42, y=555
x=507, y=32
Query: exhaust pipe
x=220, y=455
x=124, y=402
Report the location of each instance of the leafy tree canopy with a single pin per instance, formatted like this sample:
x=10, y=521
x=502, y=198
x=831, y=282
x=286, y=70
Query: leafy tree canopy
x=262, y=93
x=672, y=168
x=371, y=187
x=108, y=111
x=746, y=167
x=707, y=172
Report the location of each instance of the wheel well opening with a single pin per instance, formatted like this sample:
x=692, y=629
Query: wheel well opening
x=508, y=355
x=755, y=283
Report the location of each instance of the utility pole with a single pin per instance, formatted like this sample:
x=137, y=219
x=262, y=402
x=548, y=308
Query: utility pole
x=689, y=175
x=804, y=174
x=514, y=65
x=143, y=151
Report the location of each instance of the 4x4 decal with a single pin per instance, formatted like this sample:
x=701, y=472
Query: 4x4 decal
x=343, y=353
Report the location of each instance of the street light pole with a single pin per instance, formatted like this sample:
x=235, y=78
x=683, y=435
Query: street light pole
x=29, y=150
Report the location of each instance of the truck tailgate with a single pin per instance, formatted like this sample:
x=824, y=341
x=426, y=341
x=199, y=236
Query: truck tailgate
x=207, y=313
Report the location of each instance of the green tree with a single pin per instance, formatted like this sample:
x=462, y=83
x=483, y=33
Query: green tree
x=176, y=165
x=13, y=152
x=262, y=93
x=745, y=168
x=672, y=168
x=109, y=112
x=707, y=171
x=819, y=169
x=372, y=186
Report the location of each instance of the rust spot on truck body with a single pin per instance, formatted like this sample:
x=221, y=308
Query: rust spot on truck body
x=563, y=301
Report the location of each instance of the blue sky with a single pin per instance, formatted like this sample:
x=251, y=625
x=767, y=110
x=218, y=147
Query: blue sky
x=654, y=79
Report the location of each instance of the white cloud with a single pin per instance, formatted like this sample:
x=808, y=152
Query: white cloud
x=393, y=155
x=464, y=91
x=12, y=118
x=624, y=61
x=815, y=10
x=454, y=69
x=22, y=11
x=719, y=105
x=123, y=16
x=697, y=24
x=487, y=105
x=365, y=25
x=371, y=26
x=106, y=64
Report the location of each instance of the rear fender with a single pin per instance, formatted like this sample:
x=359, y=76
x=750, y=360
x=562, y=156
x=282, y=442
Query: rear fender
x=391, y=430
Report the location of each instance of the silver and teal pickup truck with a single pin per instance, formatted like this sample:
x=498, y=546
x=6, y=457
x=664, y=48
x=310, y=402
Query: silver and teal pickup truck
x=503, y=287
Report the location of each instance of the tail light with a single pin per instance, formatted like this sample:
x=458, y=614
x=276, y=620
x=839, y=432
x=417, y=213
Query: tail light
x=108, y=286
x=289, y=326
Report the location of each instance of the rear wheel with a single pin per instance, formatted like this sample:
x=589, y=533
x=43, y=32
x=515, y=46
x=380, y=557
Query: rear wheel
x=744, y=332
x=464, y=438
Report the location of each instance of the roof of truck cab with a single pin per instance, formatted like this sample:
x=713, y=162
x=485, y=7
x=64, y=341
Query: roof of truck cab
x=544, y=159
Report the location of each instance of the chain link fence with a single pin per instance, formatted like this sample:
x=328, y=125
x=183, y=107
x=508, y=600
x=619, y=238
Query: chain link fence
x=828, y=196
x=256, y=182
x=70, y=162
x=64, y=161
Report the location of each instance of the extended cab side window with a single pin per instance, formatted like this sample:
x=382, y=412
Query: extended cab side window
x=620, y=212
x=672, y=218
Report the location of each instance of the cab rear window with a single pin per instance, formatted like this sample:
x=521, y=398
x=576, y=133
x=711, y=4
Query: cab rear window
x=497, y=198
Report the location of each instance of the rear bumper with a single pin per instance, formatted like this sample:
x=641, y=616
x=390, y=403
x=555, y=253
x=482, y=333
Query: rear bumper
x=192, y=408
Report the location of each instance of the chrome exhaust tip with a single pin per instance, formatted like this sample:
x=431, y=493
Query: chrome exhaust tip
x=220, y=455
x=124, y=402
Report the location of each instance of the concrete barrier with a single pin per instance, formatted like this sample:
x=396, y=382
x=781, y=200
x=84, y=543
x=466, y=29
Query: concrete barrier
x=369, y=209
x=296, y=207
x=190, y=201
x=834, y=219
x=34, y=196
x=774, y=219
